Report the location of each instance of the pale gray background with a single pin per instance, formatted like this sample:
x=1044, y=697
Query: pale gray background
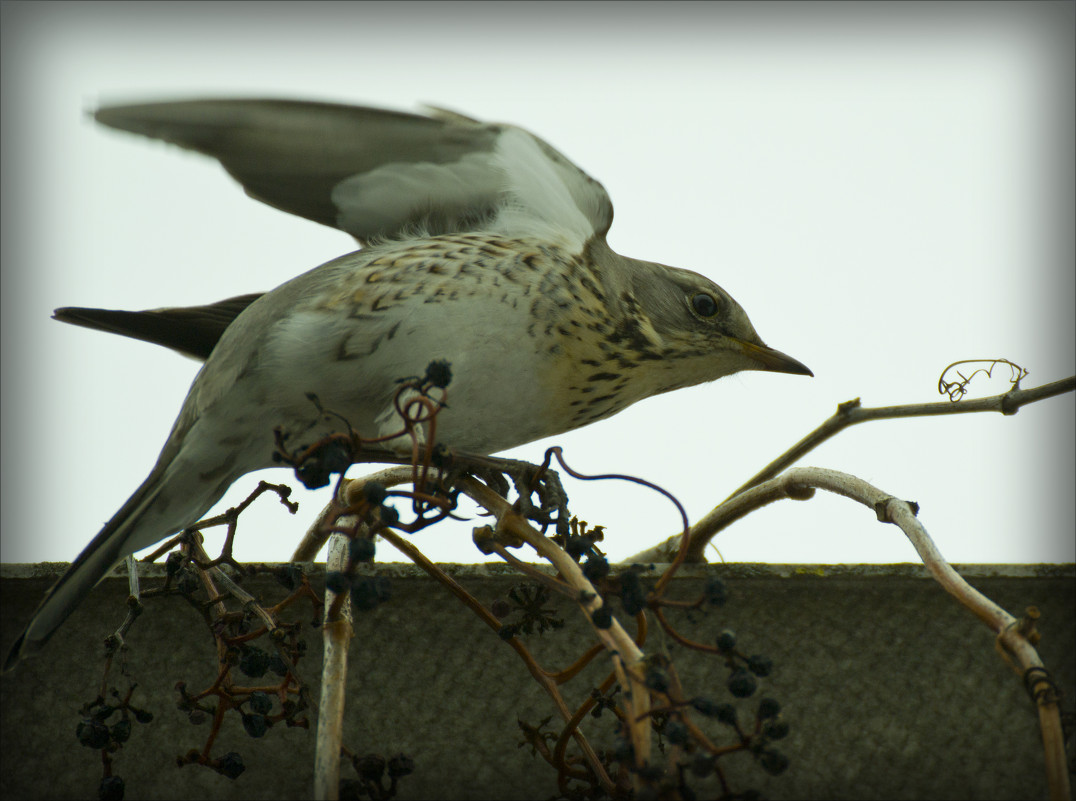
x=885, y=189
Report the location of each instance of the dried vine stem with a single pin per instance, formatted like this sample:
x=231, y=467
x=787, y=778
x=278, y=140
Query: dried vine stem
x=349, y=493
x=627, y=658
x=720, y=518
x=739, y=503
x=337, y=635
x=851, y=412
x=317, y=535
x=546, y=681
x=1014, y=637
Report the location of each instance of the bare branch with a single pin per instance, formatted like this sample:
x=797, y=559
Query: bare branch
x=337, y=634
x=850, y=413
x=1014, y=638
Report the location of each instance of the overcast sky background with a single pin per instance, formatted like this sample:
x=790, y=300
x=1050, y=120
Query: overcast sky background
x=884, y=188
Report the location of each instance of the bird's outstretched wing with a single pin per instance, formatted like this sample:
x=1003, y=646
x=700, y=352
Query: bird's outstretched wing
x=192, y=330
x=383, y=174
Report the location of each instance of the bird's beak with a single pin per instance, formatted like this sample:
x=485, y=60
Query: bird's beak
x=773, y=360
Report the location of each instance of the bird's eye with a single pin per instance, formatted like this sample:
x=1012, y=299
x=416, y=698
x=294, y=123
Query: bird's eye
x=704, y=304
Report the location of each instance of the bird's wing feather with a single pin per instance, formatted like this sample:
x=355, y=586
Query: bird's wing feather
x=382, y=174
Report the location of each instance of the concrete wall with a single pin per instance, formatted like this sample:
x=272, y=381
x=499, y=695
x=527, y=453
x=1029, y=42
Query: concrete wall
x=891, y=689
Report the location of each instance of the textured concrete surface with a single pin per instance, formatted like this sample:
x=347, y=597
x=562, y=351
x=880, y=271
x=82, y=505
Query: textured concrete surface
x=891, y=690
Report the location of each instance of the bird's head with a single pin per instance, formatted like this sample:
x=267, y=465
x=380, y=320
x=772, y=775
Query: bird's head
x=682, y=329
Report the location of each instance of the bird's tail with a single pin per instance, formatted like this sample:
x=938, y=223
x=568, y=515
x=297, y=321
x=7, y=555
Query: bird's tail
x=127, y=531
x=193, y=330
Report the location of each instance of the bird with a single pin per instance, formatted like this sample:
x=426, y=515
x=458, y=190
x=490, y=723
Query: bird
x=481, y=246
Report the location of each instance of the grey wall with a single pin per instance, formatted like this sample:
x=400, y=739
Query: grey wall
x=891, y=690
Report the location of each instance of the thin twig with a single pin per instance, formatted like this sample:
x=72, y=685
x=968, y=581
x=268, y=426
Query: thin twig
x=546, y=680
x=850, y=413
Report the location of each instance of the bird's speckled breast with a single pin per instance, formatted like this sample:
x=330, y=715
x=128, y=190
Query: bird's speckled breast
x=510, y=315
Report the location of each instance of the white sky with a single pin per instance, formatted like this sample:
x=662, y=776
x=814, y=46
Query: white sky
x=885, y=189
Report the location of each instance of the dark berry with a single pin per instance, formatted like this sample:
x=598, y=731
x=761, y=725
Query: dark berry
x=312, y=475
x=337, y=582
x=335, y=457
x=121, y=732
x=375, y=493
x=256, y=725
x=370, y=767
x=231, y=765
x=576, y=546
x=92, y=733
x=142, y=716
x=439, y=373
x=103, y=712
x=254, y=662
x=773, y=762
x=768, y=708
x=726, y=640
x=173, y=562
x=657, y=679
x=401, y=765
x=110, y=789
x=702, y=765
x=260, y=702
x=277, y=666
x=290, y=576
x=716, y=592
x=362, y=549
x=601, y=617
x=596, y=567
x=676, y=732
x=726, y=713
x=775, y=730
x=632, y=594
x=369, y=591
x=760, y=665
x=186, y=582
x=742, y=684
